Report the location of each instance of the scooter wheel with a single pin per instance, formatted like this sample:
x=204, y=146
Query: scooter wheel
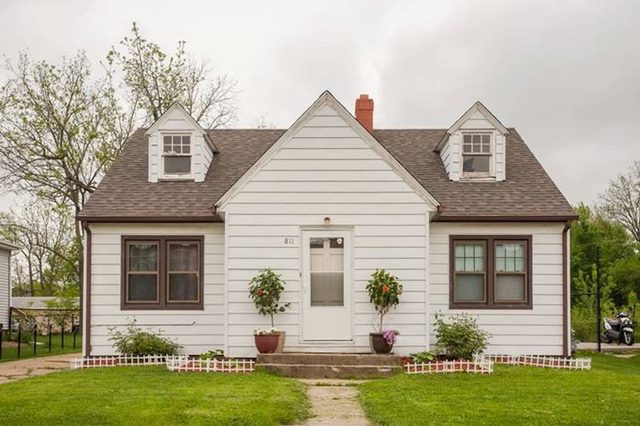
x=629, y=339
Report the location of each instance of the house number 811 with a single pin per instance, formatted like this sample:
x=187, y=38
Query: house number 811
x=289, y=241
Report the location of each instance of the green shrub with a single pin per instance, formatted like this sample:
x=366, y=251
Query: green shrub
x=215, y=354
x=422, y=357
x=583, y=321
x=135, y=341
x=459, y=336
x=26, y=335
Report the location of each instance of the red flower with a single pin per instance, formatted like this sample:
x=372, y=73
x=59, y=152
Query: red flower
x=385, y=289
x=260, y=292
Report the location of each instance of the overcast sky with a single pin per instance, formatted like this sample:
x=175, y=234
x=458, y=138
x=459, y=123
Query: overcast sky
x=566, y=74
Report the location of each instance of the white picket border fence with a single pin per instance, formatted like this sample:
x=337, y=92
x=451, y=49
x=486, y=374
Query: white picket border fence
x=123, y=360
x=544, y=361
x=212, y=365
x=479, y=365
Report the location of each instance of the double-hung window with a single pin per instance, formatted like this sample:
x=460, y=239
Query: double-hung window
x=490, y=272
x=162, y=272
x=476, y=155
x=176, y=155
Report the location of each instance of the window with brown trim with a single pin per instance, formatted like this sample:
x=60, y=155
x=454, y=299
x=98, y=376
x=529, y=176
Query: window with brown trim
x=490, y=272
x=162, y=272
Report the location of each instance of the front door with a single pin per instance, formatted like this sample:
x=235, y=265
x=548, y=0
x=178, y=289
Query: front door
x=326, y=286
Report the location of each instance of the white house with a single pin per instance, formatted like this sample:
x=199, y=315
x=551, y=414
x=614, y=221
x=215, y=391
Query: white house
x=466, y=217
x=5, y=282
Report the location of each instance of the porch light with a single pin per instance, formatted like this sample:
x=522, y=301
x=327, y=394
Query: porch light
x=327, y=221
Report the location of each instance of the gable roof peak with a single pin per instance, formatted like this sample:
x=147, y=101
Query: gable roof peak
x=182, y=110
x=476, y=107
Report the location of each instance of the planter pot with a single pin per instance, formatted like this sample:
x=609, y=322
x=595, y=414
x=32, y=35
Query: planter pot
x=283, y=335
x=267, y=343
x=378, y=344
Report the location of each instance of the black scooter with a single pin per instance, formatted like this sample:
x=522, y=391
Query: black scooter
x=619, y=329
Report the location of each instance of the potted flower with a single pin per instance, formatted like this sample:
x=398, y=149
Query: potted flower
x=384, y=292
x=265, y=290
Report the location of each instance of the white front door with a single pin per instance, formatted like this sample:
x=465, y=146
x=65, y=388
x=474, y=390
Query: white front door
x=326, y=285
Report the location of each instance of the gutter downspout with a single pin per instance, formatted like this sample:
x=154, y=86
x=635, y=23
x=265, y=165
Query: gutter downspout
x=566, y=350
x=86, y=293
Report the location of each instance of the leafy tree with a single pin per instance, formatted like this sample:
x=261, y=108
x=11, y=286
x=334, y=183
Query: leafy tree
x=155, y=80
x=47, y=259
x=60, y=129
x=619, y=271
x=621, y=201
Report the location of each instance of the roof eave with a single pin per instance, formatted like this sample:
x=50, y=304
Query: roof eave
x=506, y=218
x=151, y=219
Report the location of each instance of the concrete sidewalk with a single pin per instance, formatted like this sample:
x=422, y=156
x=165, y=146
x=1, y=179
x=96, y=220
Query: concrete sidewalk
x=606, y=347
x=15, y=370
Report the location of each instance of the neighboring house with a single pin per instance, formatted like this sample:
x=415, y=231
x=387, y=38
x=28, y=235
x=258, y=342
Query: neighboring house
x=5, y=282
x=466, y=217
x=35, y=303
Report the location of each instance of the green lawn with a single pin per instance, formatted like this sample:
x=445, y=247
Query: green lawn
x=608, y=394
x=26, y=349
x=152, y=396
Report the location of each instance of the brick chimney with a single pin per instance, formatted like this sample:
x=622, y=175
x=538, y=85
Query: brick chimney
x=364, y=111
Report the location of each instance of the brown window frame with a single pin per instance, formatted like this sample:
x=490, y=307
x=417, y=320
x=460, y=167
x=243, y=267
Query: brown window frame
x=163, y=273
x=490, y=242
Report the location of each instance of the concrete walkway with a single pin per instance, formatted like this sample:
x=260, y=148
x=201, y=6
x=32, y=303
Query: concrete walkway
x=334, y=402
x=15, y=370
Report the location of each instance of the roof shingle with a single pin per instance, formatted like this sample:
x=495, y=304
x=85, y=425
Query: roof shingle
x=125, y=193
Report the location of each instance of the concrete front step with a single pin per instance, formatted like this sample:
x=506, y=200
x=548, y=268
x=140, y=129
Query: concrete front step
x=330, y=365
x=307, y=371
x=329, y=359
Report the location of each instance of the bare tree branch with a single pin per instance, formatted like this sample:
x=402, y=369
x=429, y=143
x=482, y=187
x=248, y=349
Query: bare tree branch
x=621, y=201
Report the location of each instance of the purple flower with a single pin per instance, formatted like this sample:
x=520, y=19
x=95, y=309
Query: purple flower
x=389, y=336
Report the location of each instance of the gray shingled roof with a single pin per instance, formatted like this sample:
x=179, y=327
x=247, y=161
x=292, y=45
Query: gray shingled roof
x=125, y=194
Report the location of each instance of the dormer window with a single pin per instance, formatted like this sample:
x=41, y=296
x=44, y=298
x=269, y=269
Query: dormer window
x=176, y=155
x=476, y=155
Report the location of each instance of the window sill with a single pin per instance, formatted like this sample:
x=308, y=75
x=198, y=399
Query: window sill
x=171, y=307
x=478, y=179
x=176, y=179
x=501, y=306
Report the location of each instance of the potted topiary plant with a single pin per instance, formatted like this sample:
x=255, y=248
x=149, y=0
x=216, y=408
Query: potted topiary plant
x=265, y=290
x=384, y=292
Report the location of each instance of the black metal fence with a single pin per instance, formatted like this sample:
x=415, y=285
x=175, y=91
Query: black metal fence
x=29, y=341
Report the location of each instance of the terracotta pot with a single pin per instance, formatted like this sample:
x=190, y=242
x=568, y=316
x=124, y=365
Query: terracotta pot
x=267, y=343
x=280, y=348
x=378, y=344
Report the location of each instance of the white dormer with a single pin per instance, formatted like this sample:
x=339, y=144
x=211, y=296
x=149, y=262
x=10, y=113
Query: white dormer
x=474, y=148
x=179, y=149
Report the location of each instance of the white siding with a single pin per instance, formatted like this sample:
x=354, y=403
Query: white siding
x=4, y=287
x=176, y=120
x=327, y=170
x=197, y=330
x=529, y=331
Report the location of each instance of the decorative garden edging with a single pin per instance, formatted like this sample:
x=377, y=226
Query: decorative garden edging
x=479, y=365
x=544, y=361
x=123, y=360
x=212, y=365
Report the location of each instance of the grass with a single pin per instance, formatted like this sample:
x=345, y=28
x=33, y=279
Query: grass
x=608, y=394
x=26, y=349
x=152, y=396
